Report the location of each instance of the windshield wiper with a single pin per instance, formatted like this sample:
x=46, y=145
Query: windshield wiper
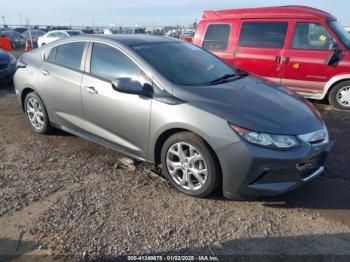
x=223, y=78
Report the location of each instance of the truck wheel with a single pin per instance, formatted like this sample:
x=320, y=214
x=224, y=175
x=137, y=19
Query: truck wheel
x=339, y=96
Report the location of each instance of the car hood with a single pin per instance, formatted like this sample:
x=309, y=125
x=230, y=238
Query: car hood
x=255, y=104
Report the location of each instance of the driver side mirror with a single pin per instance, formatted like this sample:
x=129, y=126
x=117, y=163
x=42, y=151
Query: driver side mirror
x=130, y=86
x=336, y=55
x=335, y=46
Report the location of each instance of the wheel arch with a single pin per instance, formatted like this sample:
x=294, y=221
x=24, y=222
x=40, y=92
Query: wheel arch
x=169, y=132
x=333, y=82
x=24, y=93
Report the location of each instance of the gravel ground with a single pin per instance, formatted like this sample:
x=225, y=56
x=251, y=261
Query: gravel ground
x=63, y=196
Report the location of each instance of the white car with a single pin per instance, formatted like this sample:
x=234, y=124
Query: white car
x=55, y=35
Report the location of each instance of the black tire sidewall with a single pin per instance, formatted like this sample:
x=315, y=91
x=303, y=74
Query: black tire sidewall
x=213, y=174
x=46, y=126
x=333, y=95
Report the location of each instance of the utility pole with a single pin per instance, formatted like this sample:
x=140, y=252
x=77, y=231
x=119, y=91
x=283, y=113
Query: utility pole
x=20, y=19
x=3, y=19
x=93, y=22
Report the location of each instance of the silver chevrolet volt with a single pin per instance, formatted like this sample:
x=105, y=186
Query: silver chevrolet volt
x=169, y=102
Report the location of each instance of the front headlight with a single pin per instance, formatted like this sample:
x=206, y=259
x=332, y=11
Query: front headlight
x=267, y=140
x=13, y=60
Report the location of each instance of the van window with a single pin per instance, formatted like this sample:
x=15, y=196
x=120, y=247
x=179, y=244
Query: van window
x=69, y=55
x=216, y=37
x=311, y=36
x=263, y=34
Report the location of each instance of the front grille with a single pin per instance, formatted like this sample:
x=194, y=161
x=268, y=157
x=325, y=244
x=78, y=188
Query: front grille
x=310, y=165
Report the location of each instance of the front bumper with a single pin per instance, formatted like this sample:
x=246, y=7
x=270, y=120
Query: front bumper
x=250, y=170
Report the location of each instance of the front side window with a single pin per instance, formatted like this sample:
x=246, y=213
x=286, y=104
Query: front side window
x=109, y=63
x=70, y=55
x=61, y=34
x=311, y=36
x=263, y=34
x=183, y=63
x=216, y=37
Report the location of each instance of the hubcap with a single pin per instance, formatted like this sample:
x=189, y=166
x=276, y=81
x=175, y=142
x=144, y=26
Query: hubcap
x=35, y=113
x=186, y=166
x=343, y=96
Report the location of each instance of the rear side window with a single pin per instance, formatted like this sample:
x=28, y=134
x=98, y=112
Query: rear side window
x=216, y=37
x=110, y=64
x=311, y=36
x=70, y=55
x=263, y=34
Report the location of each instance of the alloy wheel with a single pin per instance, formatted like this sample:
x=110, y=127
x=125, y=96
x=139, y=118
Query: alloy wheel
x=35, y=113
x=186, y=166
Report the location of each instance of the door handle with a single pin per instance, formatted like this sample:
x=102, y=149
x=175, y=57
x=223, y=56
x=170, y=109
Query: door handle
x=286, y=60
x=91, y=89
x=278, y=59
x=45, y=72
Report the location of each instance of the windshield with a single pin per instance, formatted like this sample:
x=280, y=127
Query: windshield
x=73, y=33
x=341, y=33
x=183, y=63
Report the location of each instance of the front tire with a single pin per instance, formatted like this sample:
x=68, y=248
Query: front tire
x=190, y=165
x=339, y=96
x=36, y=114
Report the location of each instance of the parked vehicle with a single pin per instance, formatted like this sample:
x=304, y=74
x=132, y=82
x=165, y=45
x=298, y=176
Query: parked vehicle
x=17, y=40
x=57, y=34
x=7, y=66
x=33, y=35
x=302, y=48
x=20, y=30
x=167, y=101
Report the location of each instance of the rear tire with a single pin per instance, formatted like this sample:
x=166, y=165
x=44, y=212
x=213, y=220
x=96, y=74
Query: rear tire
x=36, y=114
x=339, y=96
x=190, y=165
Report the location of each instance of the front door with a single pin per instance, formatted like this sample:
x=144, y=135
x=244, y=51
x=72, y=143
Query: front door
x=119, y=118
x=260, y=46
x=305, y=61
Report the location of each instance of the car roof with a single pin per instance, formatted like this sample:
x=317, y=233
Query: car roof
x=291, y=11
x=128, y=40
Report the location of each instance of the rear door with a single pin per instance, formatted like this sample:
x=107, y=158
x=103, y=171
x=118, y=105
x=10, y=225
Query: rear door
x=59, y=82
x=305, y=62
x=260, y=47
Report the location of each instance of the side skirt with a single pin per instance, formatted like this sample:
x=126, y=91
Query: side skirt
x=99, y=141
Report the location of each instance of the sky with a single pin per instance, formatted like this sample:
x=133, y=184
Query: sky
x=141, y=12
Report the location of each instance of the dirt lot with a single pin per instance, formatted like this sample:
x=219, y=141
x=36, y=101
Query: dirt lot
x=62, y=195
